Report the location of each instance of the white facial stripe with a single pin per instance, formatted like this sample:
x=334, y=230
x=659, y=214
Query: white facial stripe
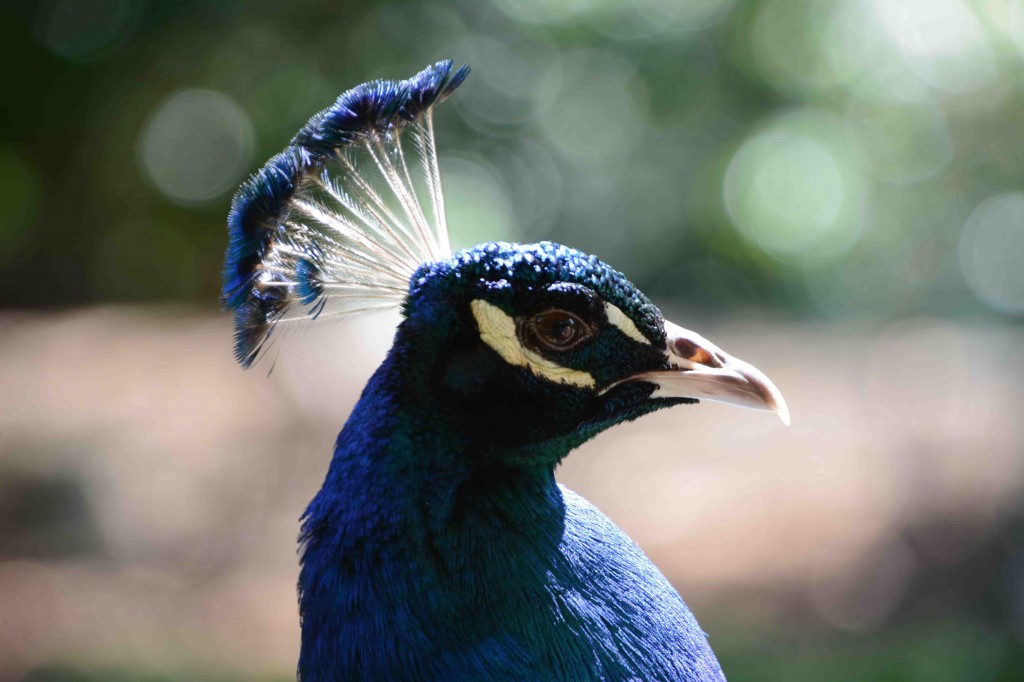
x=625, y=325
x=498, y=330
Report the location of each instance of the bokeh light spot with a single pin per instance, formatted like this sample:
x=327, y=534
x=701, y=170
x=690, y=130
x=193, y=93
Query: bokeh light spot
x=477, y=208
x=786, y=44
x=1006, y=18
x=795, y=188
x=859, y=595
x=548, y=12
x=992, y=252
x=600, y=111
x=685, y=16
x=912, y=49
x=905, y=142
x=941, y=40
x=196, y=146
x=522, y=77
x=78, y=30
x=533, y=182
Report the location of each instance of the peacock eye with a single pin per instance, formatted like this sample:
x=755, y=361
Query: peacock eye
x=558, y=329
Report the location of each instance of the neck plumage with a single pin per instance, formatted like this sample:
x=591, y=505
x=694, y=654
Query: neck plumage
x=409, y=531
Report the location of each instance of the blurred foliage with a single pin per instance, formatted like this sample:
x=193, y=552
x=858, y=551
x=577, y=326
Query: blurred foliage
x=846, y=158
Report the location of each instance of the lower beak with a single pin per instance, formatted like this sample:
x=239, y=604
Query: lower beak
x=702, y=370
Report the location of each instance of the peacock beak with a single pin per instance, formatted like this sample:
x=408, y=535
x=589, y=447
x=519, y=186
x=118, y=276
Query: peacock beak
x=702, y=370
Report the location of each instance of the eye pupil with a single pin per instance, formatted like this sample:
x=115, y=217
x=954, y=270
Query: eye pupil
x=558, y=329
x=561, y=330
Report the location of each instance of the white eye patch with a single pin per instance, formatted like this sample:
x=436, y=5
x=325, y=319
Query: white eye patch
x=624, y=324
x=498, y=330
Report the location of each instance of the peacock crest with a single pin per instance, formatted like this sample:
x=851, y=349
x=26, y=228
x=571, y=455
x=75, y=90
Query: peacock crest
x=338, y=222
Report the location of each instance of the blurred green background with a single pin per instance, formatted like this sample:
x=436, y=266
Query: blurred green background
x=837, y=185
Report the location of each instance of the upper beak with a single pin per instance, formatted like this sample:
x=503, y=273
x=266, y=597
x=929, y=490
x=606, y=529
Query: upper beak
x=700, y=369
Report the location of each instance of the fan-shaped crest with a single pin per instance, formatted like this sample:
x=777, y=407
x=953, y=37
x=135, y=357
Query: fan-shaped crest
x=334, y=224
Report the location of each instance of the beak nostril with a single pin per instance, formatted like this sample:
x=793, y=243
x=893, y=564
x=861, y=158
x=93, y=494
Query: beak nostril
x=685, y=348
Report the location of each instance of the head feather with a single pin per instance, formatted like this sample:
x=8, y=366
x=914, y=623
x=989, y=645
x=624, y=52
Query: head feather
x=334, y=224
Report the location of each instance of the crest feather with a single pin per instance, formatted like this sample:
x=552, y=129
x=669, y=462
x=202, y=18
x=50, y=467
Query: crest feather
x=334, y=224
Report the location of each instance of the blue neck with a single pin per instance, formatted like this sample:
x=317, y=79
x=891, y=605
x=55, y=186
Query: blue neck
x=410, y=530
x=442, y=560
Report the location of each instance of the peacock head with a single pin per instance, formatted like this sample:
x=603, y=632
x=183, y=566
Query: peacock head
x=561, y=341
x=336, y=225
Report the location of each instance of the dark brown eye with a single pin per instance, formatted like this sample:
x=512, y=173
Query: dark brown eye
x=558, y=329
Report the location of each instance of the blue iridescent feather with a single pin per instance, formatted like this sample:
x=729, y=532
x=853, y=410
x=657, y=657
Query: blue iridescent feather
x=257, y=223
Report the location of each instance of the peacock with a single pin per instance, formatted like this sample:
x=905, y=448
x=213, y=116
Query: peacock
x=440, y=546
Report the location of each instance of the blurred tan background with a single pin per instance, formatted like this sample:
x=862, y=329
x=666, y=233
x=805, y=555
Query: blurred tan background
x=830, y=190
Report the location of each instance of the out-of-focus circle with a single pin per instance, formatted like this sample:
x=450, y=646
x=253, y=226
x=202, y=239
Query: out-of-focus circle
x=476, y=206
x=548, y=12
x=600, y=110
x=796, y=188
x=859, y=595
x=787, y=42
x=913, y=48
x=905, y=142
x=859, y=50
x=901, y=384
x=686, y=16
x=78, y=30
x=522, y=77
x=1006, y=17
x=941, y=40
x=992, y=252
x=533, y=182
x=196, y=146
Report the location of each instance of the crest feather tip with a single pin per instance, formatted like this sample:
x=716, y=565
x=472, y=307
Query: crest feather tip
x=335, y=224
